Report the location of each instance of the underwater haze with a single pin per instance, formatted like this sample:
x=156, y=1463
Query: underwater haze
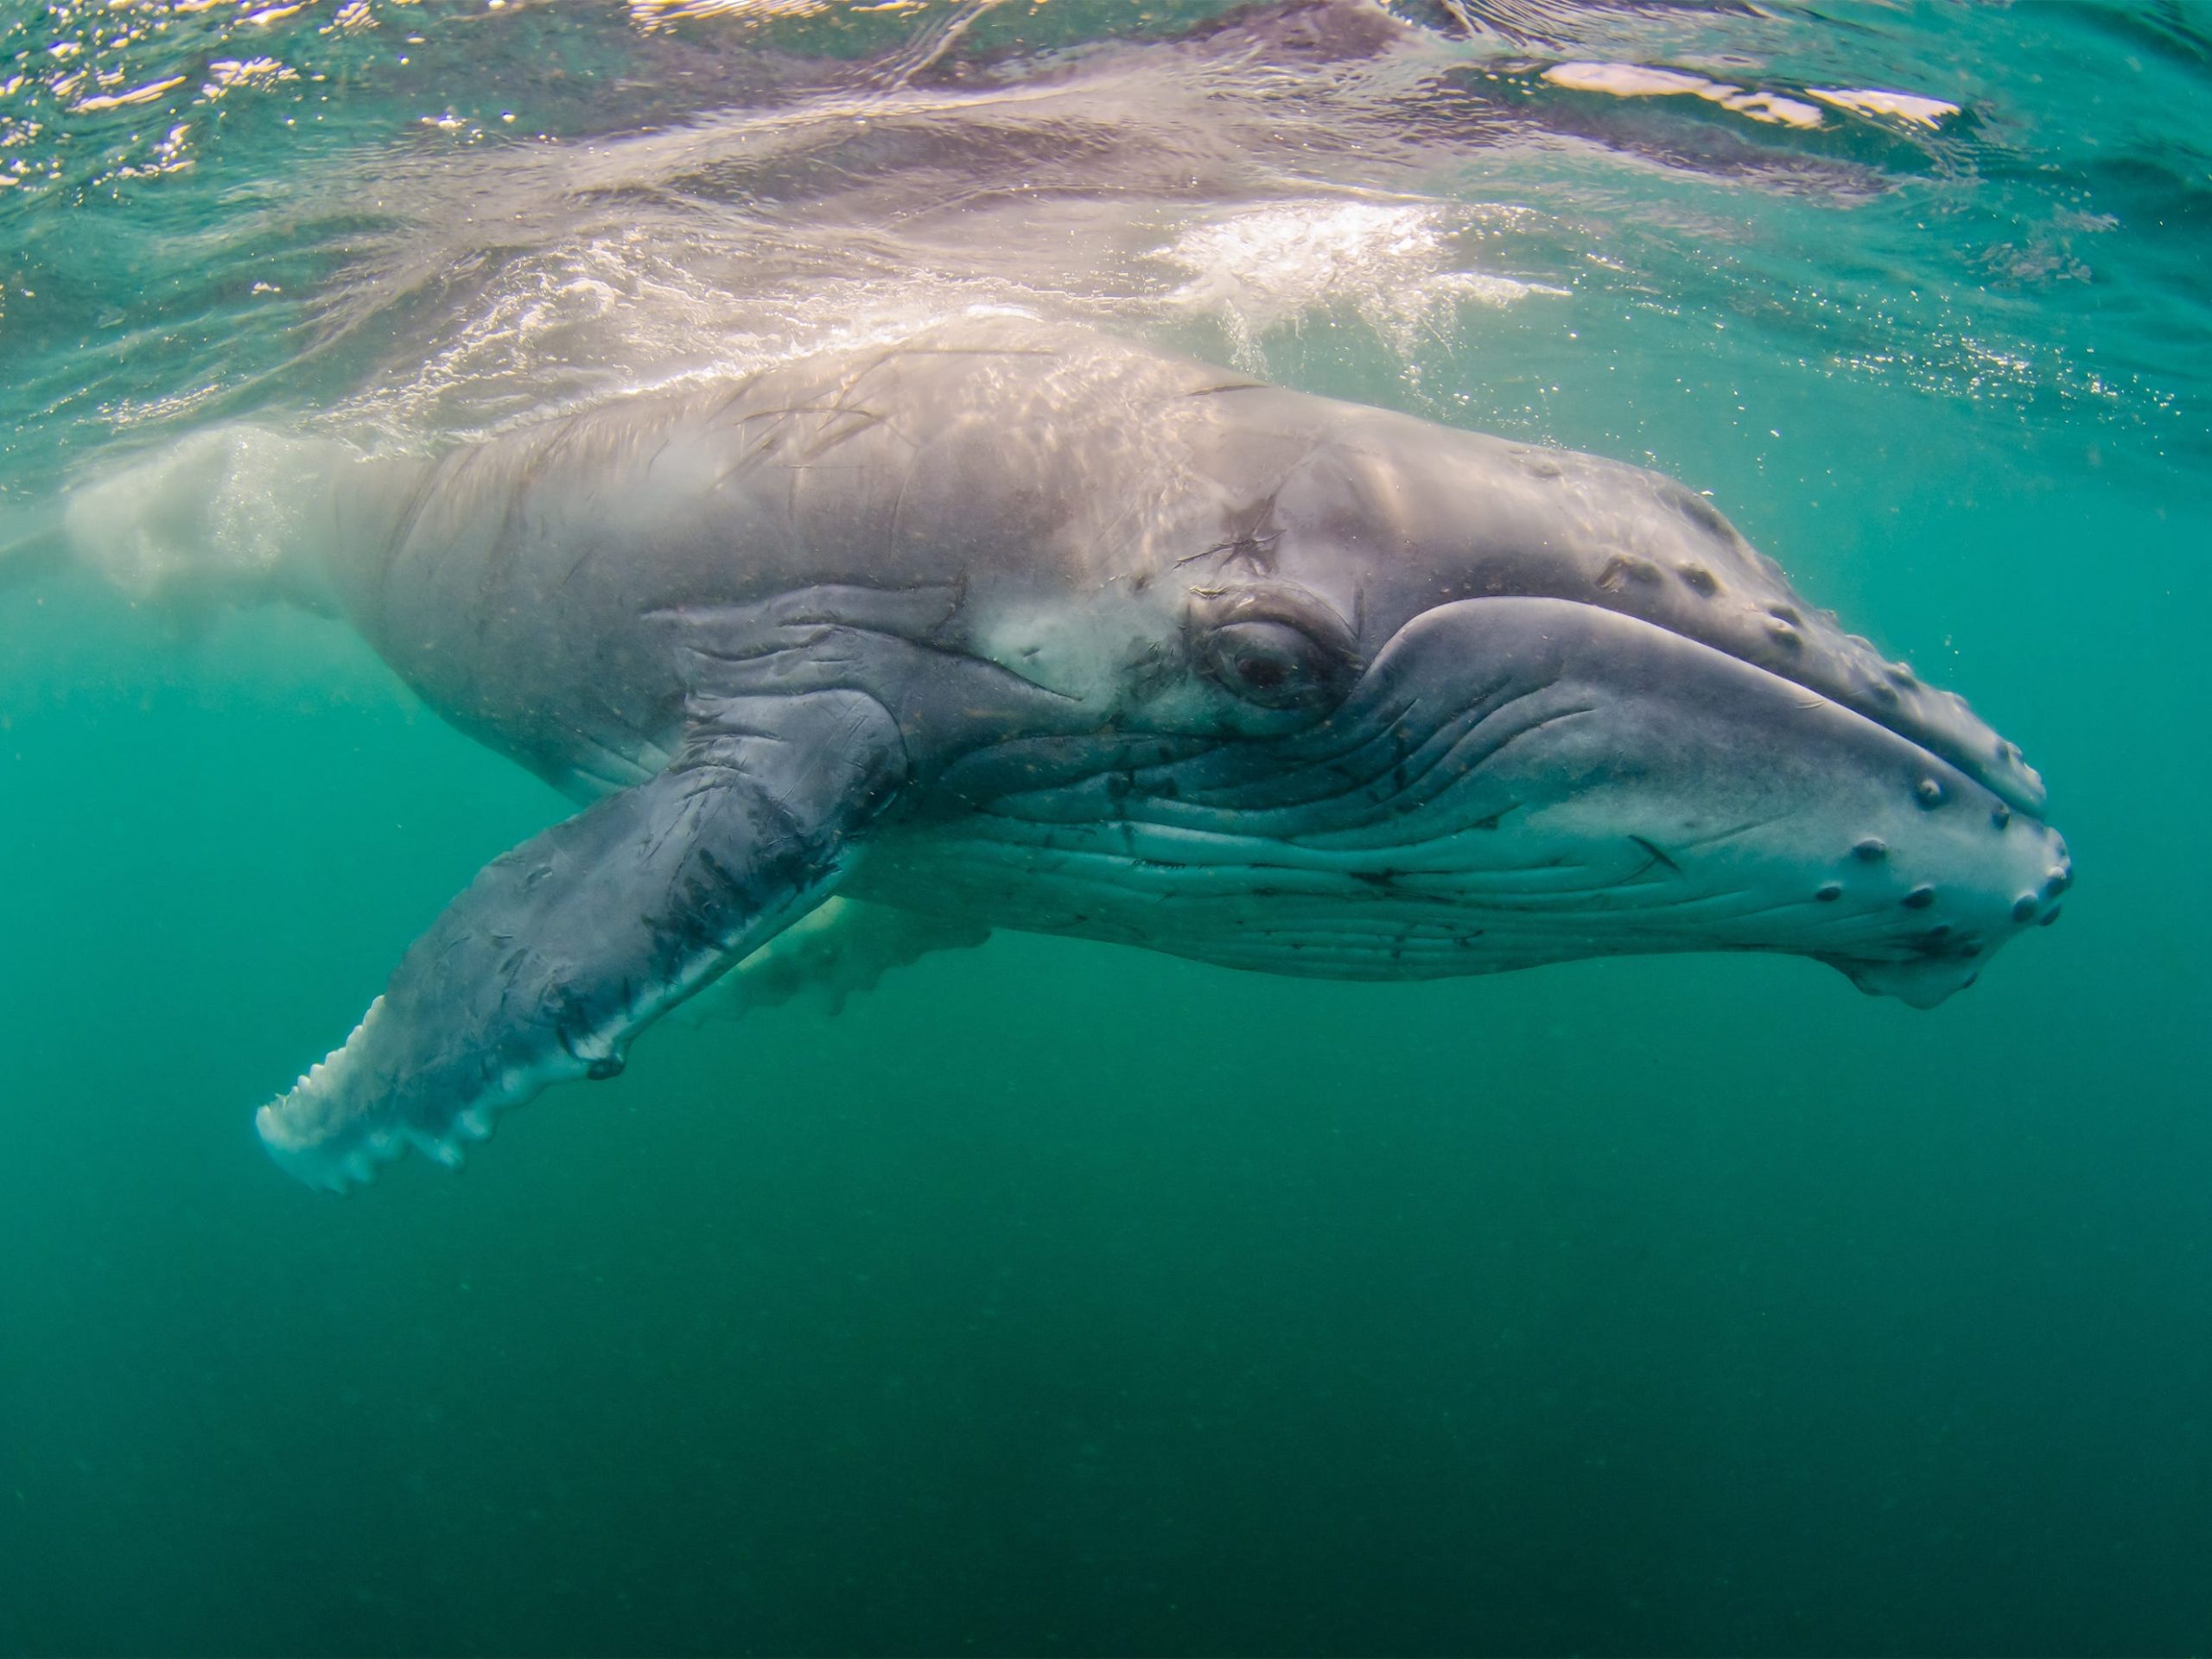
x=1057, y=1297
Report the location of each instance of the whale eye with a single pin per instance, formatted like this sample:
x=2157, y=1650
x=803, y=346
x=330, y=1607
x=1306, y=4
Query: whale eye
x=1265, y=652
x=1271, y=663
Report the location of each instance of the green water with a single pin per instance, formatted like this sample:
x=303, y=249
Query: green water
x=1052, y=1297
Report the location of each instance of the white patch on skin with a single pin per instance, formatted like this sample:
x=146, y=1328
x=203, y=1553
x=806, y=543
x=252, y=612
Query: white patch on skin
x=1081, y=651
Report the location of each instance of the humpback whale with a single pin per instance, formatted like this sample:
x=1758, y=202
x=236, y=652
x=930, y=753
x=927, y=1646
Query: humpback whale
x=1008, y=623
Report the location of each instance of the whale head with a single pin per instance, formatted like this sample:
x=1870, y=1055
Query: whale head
x=1419, y=702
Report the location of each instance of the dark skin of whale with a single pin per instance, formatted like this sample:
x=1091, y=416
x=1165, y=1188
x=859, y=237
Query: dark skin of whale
x=1010, y=624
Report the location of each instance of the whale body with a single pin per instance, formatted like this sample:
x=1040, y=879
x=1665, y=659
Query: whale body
x=1011, y=624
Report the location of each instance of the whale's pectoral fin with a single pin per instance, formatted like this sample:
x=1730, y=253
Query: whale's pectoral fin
x=841, y=948
x=563, y=949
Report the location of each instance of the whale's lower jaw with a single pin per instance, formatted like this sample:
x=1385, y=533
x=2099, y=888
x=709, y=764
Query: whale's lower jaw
x=1469, y=902
x=1268, y=917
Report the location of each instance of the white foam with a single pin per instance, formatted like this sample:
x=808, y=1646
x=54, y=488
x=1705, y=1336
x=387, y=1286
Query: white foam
x=1640, y=80
x=221, y=512
x=1929, y=112
x=1389, y=262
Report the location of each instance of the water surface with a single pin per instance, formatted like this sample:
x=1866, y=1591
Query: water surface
x=1057, y=1297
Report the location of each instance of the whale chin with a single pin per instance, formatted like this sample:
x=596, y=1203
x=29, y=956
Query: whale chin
x=1921, y=983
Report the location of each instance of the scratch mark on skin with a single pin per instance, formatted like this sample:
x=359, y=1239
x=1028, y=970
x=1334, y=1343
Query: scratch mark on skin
x=1658, y=857
x=1719, y=836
